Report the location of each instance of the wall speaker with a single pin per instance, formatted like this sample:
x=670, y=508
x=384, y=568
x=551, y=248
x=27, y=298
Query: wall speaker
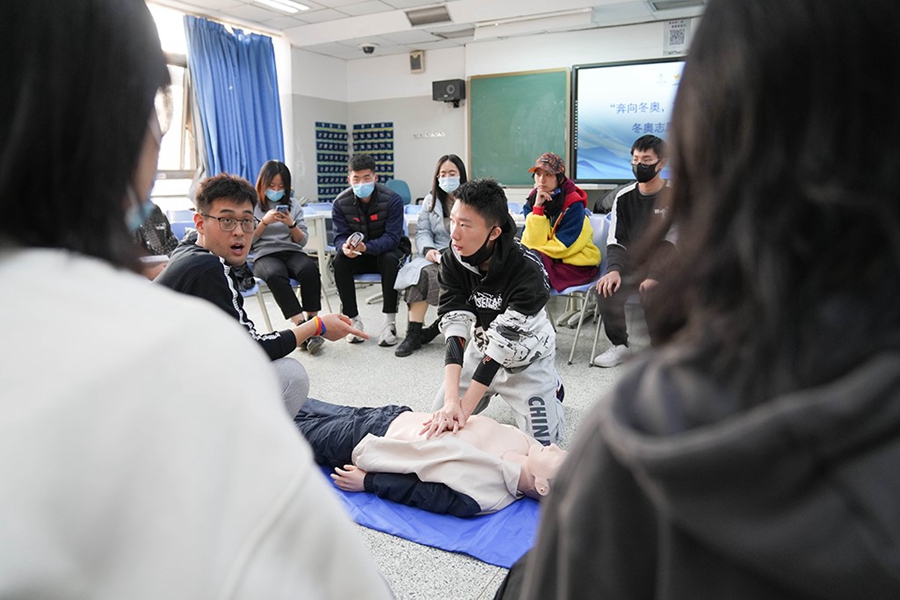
x=449, y=90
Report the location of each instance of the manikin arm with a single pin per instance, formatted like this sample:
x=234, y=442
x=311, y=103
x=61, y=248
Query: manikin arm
x=408, y=489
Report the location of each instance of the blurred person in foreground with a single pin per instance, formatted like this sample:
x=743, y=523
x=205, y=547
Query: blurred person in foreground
x=755, y=454
x=134, y=465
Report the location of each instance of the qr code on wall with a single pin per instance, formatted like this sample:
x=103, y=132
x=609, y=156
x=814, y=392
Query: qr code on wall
x=676, y=37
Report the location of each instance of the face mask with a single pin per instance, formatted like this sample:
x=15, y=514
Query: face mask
x=363, y=190
x=448, y=184
x=644, y=173
x=274, y=196
x=138, y=212
x=482, y=254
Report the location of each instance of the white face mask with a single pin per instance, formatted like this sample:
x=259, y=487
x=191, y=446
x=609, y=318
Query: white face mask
x=448, y=184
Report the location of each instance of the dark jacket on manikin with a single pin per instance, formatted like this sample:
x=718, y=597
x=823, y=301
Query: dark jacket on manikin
x=380, y=220
x=195, y=270
x=334, y=431
x=673, y=491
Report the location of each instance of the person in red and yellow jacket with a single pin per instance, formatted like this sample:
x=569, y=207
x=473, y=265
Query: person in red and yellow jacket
x=557, y=225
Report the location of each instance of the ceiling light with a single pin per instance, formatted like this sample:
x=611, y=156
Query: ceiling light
x=658, y=5
x=456, y=34
x=288, y=6
x=566, y=20
x=428, y=16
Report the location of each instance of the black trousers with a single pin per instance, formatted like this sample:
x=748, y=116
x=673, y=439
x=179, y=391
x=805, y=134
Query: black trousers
x=387, y=265
x=664, y=314
x=278, y=268
x=333, y=431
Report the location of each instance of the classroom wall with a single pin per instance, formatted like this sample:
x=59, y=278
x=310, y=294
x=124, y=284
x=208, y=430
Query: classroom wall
x=381, y=88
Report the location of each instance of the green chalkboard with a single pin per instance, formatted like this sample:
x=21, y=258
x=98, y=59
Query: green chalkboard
x=513, y=119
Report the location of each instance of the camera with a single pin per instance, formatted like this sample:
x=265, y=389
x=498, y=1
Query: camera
x=368, y=47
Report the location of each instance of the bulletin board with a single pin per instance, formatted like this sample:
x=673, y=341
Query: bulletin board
x=513, y=119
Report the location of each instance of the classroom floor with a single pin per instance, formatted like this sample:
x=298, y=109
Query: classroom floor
x=368, y=375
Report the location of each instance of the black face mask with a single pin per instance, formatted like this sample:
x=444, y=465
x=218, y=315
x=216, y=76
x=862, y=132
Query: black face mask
x=644, y=173
x=482, y=254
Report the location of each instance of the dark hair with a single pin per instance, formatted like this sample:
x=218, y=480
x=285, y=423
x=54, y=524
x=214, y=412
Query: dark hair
x=223, y=187
x=267, y=173
x=436, y=192
x=73, y=118
x=650, y=142
x=787, y=203
x=361, y=162
x=487, y=198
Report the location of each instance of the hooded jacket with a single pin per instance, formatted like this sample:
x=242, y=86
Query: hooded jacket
x=671, y=491
x=506, y=304
x=561, y=228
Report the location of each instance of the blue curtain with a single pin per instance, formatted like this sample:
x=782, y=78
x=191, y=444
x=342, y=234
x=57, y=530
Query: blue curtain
x=236, y=93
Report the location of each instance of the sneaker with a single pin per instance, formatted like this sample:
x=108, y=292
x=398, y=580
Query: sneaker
x=388, y=335
x=357, y=323
x=314, y=344
x=612, y=356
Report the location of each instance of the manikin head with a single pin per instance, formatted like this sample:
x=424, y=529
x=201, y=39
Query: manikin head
x=540, y=468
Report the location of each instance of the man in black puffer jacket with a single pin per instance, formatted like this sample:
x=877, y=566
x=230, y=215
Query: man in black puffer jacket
x=376, y=212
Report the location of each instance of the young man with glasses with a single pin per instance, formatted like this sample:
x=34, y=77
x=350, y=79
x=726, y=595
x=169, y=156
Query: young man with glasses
x=225, y=225
x=638, y=209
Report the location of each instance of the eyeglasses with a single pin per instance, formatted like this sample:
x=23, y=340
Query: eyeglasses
x=228, y=224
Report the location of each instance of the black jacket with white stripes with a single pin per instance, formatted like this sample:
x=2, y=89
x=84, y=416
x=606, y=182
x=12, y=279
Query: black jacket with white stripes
x=195, y=270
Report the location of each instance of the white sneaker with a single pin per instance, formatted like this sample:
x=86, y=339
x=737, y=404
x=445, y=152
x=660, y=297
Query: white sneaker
x=355, y=339
x=612, y=356
x=388, y=335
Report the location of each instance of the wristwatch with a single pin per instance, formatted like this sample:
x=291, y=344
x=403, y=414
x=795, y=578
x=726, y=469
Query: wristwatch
x=292, y=226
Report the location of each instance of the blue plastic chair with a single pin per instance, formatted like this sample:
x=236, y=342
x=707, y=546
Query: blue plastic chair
x=402, y=189
x=179, y=228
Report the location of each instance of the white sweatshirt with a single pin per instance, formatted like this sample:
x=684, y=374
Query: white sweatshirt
x=147, y=453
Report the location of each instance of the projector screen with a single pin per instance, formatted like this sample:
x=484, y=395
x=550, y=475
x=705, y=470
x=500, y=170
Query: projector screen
x=614, y=104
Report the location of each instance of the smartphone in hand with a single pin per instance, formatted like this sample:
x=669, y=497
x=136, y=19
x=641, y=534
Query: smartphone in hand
x=282, y=208
x=355, y=238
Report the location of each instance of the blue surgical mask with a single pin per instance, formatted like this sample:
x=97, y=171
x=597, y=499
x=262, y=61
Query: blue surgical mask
x=274, y=196
x=363, y=190
x=448, y=184
x=138, y=212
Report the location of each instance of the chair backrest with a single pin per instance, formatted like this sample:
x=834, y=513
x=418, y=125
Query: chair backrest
x=600, y=226
x=412, y=209
x=179, y=228
x=402, y=189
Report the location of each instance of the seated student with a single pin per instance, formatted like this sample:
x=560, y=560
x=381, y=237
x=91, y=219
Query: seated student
x=557, y=225
x=278, y=253
x=419, y=277
x=225, y=224
x=636, y=209
x=481, y=469
x=145, y=449
x=376, y=212
x=755, y=455
x=495, y=288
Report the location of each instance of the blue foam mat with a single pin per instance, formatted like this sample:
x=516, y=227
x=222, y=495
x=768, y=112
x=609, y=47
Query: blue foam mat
x=498, y=539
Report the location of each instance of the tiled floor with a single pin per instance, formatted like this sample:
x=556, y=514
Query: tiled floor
x=366, y=374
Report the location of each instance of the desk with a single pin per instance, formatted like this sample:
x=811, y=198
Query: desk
x=316, y=223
